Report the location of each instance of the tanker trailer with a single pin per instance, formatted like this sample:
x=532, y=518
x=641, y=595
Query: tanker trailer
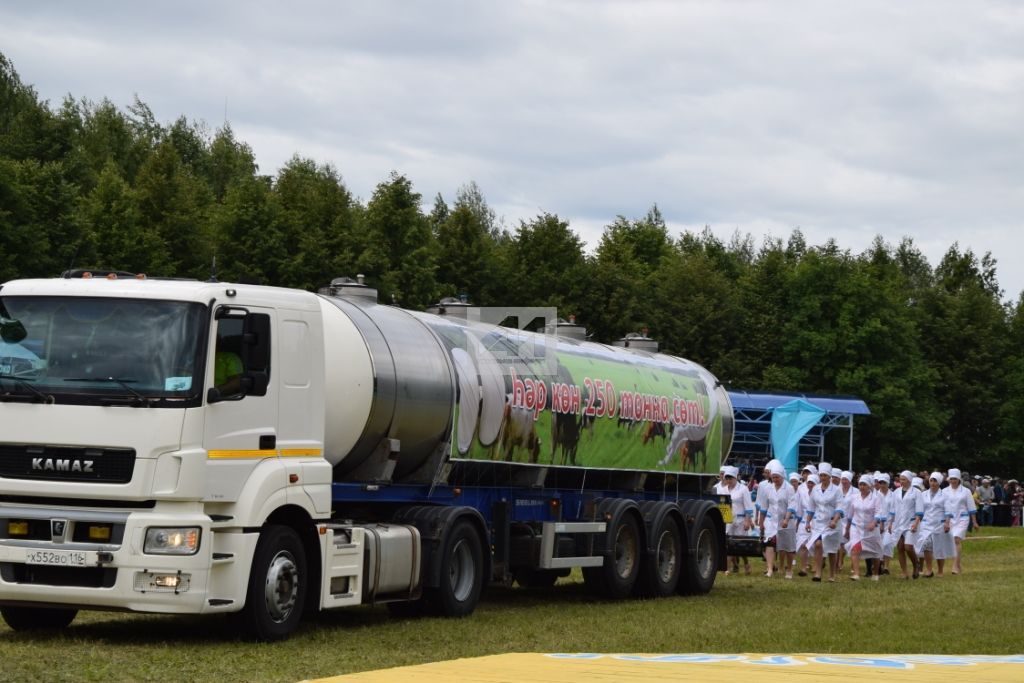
x=354, y=453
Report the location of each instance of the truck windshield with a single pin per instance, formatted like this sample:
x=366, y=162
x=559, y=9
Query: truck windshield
x=99, y=350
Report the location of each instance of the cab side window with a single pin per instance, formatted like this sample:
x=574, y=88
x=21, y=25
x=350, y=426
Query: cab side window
x=242, y=355
x=228, y=366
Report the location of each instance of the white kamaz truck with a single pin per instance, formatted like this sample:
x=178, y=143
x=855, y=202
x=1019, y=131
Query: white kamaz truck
x=203, y=447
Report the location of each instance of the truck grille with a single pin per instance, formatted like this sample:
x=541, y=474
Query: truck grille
x=67, y=463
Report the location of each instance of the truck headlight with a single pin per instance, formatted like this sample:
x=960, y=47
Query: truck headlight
x=171, y=541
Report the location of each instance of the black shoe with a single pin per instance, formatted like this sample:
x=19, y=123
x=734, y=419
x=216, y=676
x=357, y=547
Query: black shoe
x=816, y=579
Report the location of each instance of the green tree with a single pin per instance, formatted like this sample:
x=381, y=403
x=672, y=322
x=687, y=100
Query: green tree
x=249, y=223
x=109, y=214
x=397, y=250
x=544, y=265
x=617, y=297
x=964, y=333
x=174, y=202
x=317, y=222
x=465, y=247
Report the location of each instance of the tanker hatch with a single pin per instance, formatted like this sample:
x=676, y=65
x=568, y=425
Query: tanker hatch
x=452, y=307
x=567, y=329
x=348, y=288
x=639, y=341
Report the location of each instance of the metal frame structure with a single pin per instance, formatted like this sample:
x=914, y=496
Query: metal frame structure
x=752, y=412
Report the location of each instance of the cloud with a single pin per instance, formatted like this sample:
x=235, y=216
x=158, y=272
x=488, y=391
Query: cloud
x=848, y=120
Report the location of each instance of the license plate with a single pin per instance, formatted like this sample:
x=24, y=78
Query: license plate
x=726, y=512
x=56, y=558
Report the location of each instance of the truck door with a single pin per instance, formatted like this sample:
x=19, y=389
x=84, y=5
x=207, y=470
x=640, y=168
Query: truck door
x=242, y=404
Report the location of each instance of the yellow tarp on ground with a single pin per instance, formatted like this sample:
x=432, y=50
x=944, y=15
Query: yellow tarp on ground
x=582, y=668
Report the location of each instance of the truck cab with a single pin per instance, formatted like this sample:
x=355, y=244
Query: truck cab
x=150, y=429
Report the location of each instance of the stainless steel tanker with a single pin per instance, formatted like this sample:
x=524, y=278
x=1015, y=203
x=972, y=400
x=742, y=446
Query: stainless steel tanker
x=406, y=388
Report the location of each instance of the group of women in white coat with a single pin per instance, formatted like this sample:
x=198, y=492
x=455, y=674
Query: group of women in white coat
x=820, y=513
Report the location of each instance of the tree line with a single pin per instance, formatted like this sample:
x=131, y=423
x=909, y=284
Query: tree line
x=934, y=351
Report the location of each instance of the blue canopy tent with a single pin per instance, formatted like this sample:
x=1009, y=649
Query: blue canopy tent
x=753, y=413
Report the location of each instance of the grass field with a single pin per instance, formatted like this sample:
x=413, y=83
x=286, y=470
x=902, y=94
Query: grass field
x=976, y=613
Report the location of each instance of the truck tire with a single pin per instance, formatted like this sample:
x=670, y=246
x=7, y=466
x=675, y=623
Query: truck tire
x=616, y=577
x=37, y=618
x=661, y=569
x=462, y=573
x=701, y=558
x=277, y=590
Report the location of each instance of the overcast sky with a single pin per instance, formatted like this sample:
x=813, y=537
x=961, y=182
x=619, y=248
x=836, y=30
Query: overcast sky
x=847, y=120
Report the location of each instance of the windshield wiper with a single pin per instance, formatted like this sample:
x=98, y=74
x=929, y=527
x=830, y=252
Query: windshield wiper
x=124, y=382
x=26, y=384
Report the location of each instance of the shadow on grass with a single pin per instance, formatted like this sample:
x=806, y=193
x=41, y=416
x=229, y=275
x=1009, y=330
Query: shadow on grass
x=215, y=630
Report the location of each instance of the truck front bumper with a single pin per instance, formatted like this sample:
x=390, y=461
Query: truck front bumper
x=121, y=576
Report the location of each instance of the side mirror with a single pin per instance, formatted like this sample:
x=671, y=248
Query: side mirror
x=256, y=343
x=12, y=331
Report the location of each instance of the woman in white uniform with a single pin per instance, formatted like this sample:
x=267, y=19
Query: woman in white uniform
x=964, y=510
x=774, y=519
x=908, y=509
x=867, y=513
x=849, y=491
x=882, y=489
x=823, y=518
x=742, y=513
x=934, y=540
x=810, y=481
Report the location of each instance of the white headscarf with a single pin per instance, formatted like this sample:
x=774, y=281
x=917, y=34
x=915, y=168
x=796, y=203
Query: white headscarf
x=953, y=473
x=917, y=483
x=937, y=476
x=847, y=475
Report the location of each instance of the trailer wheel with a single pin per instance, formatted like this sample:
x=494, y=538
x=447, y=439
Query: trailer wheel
x=701, y=562
x=277, y=586
x=462, y=573
x=617, y=576
x=660, y=571
x=37, y=618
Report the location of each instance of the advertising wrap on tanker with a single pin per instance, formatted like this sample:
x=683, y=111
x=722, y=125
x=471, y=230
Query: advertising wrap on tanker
x=549, y=401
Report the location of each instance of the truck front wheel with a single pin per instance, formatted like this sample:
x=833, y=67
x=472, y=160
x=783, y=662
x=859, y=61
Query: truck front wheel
x=37, y=618
x=277, y=586
x=462, y=573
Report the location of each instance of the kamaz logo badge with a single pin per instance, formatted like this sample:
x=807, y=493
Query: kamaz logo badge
x=61, y=465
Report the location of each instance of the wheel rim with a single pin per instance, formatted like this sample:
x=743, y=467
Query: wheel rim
x=704, y=553
x=461, y=571
x=282, y=586
x=667, y=556
x=625, y=551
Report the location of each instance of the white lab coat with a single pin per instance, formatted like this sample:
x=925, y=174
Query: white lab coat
x=932, y=532
x=824, y=505
x=777, y=502
x=742, y=509
x=962, y=506
x=865, y=511
x=906, y=506
x=803, y=500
